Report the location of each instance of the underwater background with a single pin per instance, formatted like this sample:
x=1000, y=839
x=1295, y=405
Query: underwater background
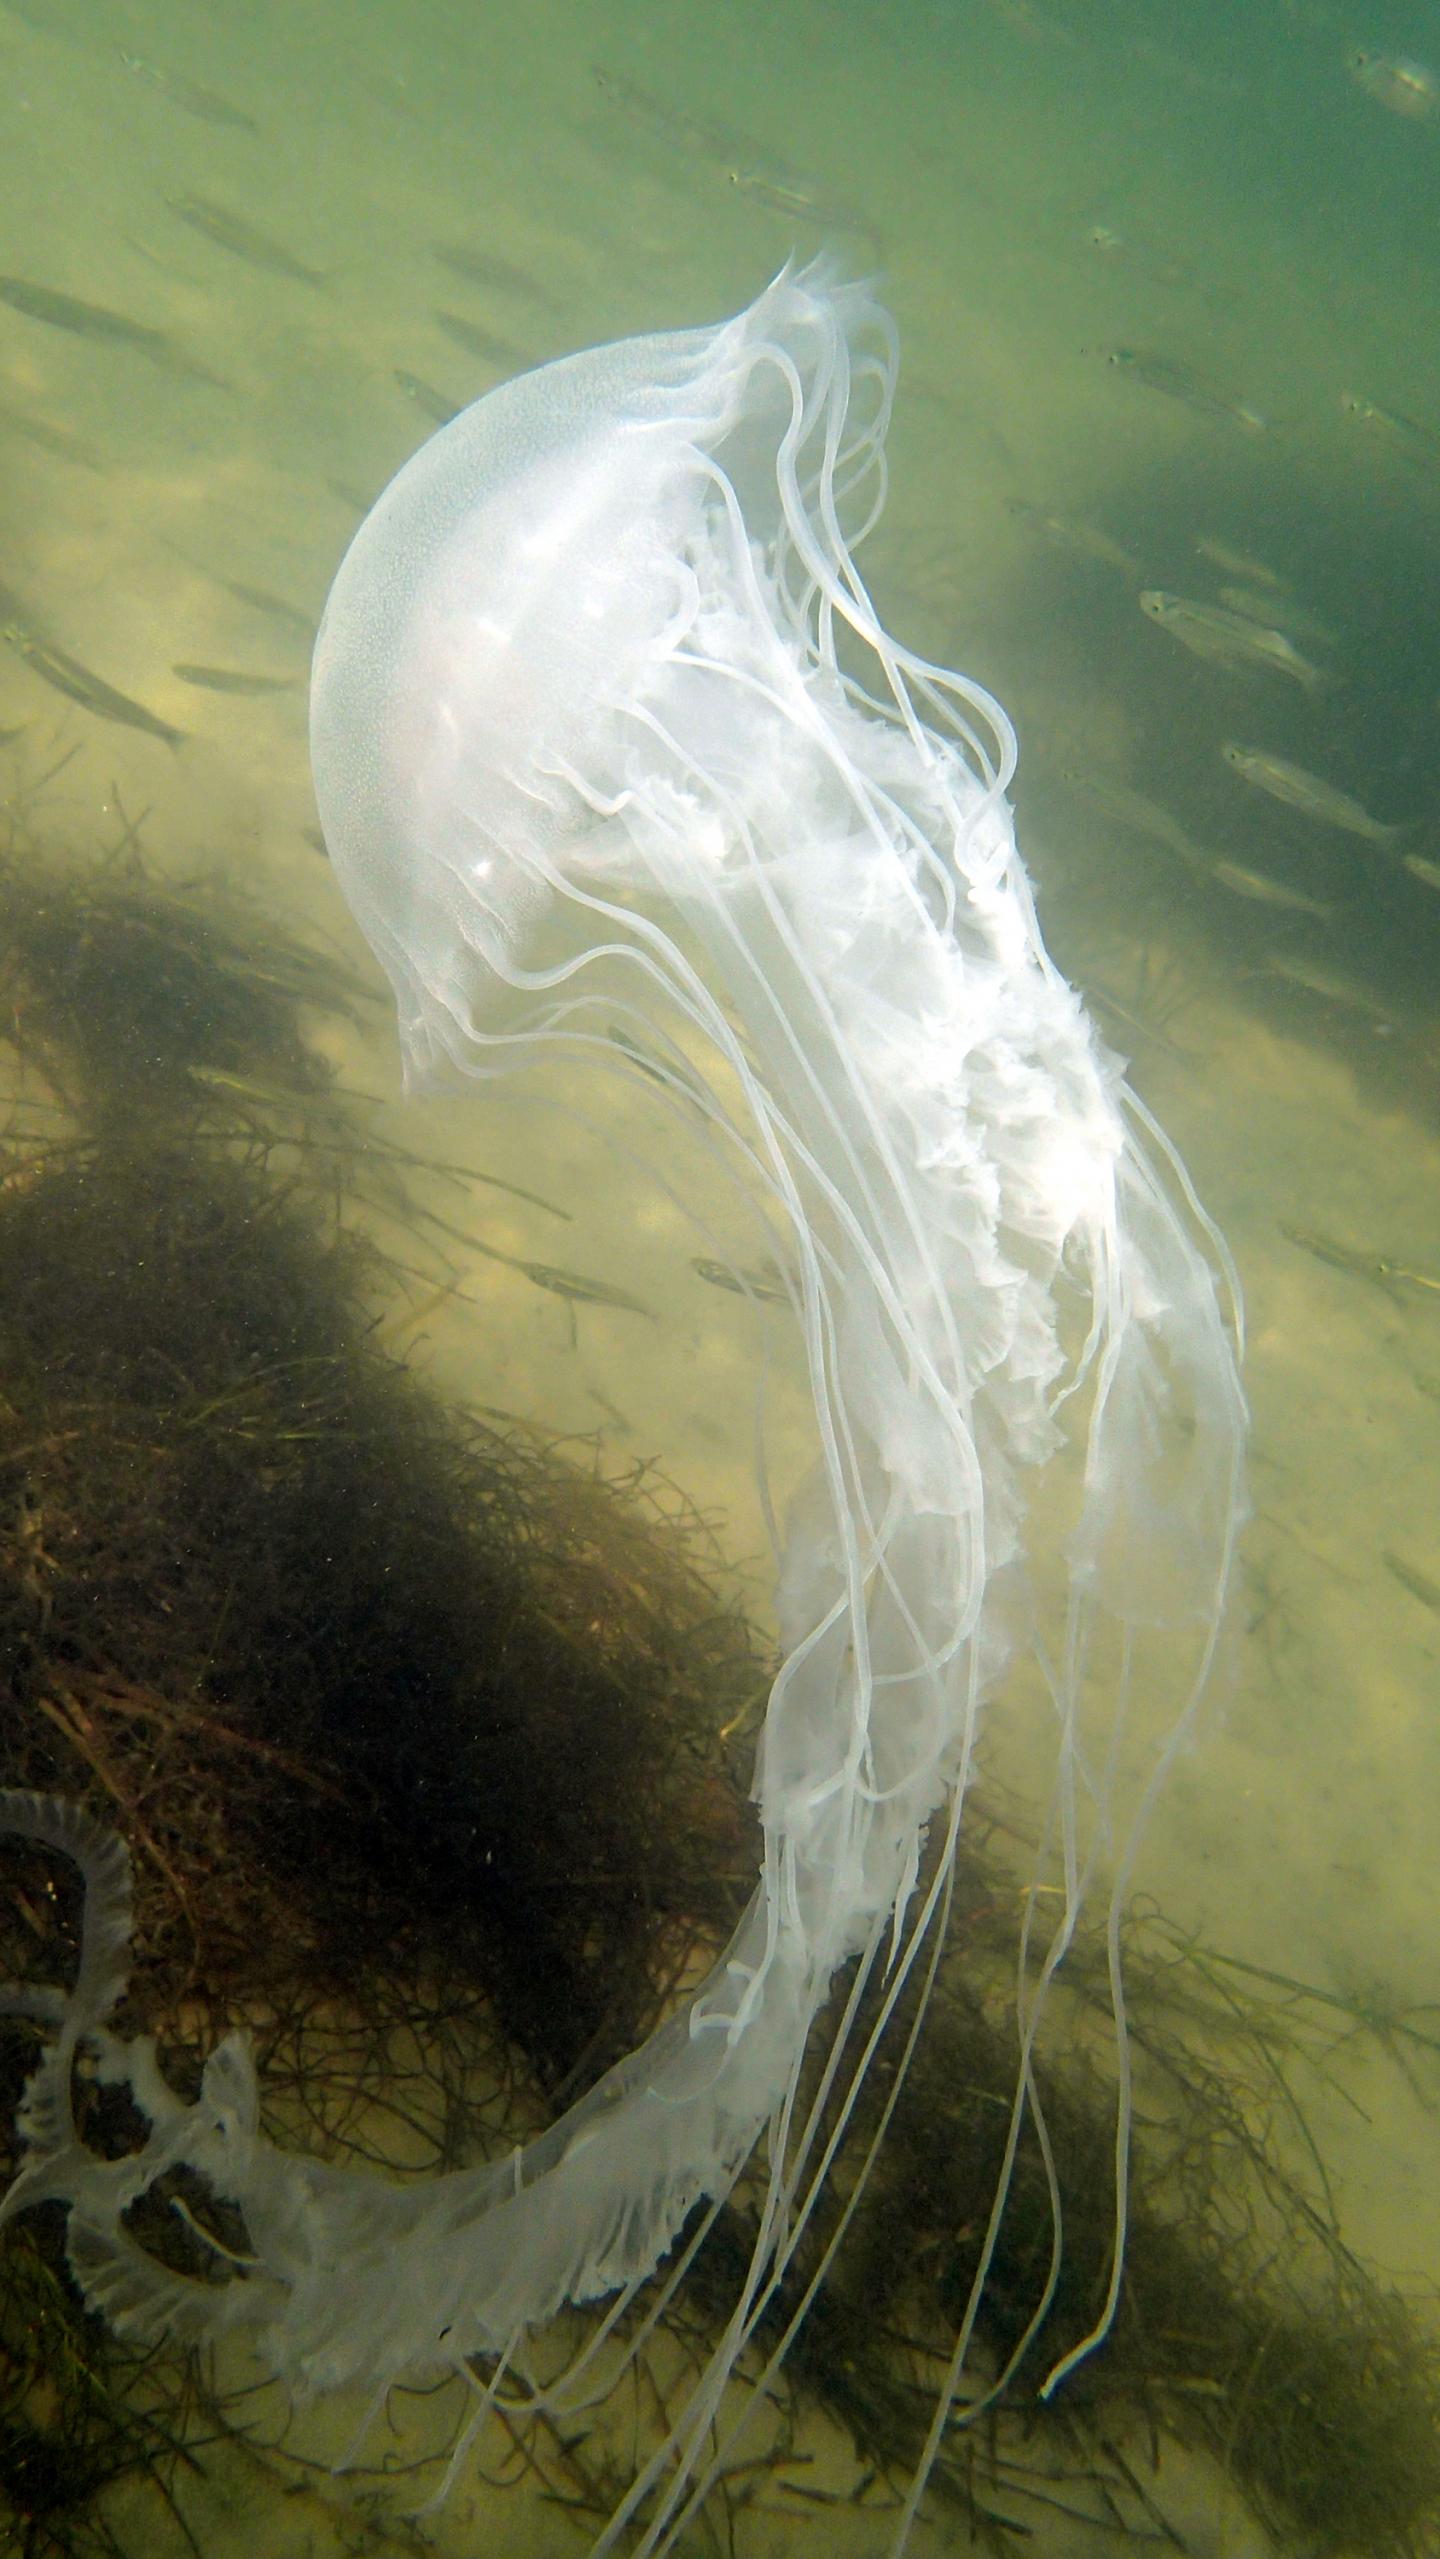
x=1165, y=477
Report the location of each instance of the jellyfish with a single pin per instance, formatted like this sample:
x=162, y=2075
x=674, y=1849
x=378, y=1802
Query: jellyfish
x=608, y=737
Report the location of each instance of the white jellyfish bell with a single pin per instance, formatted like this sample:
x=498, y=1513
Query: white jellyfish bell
x=606, y=730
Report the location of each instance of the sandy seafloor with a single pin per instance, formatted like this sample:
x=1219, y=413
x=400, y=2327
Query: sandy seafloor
x=1039, y=186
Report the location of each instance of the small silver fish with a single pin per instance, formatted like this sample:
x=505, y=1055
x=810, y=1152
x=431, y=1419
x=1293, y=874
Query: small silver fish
x=1265, y=891
x=620, y=1038
x=1294, y=788
x=59, y=440
x=500, y=353
x=432, y=404
x=1150, y=259
x=1071, y=533
x=802, y=202
x=766, y=1282
x=1238, y=564
x=1116, y=244
x=260, y=600
x=1175, y=380
x=582, y=1291
x=109, y=328
x=495, y=275
x=725, y=146
x=1407, y=88
x=241, y=239
x=1132, y=809
x=1410, y=1577
x=1331, y=985
x=65, y=674
x=233, y=679
x=1299, y=624
x=1408, y=437
x=1230, y=639
x=668, y=123
x=206, y=105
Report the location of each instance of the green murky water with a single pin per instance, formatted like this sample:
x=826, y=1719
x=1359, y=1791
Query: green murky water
x=1165, y=284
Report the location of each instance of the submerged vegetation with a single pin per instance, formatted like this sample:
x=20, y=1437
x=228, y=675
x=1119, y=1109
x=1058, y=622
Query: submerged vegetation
x=431, y=1747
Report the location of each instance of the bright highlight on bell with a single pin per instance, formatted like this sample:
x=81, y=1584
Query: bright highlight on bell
x=608, y=738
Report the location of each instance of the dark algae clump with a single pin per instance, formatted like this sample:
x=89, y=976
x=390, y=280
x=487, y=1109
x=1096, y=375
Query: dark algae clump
x=431, y=1747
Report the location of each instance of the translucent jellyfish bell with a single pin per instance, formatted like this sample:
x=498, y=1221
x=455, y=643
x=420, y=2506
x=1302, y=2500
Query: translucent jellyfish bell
x=522, y=580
